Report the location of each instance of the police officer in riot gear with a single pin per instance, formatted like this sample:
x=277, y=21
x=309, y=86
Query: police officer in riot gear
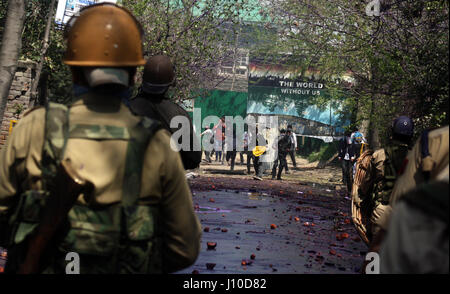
x=387, y=163
x=139, y=217
x=159, y=75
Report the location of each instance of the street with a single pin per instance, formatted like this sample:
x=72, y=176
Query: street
x=296, y=226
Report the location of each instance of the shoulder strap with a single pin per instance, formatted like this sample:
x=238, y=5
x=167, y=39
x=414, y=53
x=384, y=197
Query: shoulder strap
x=424, y=144
x=140, y=137
x=55, y=138
x=427, y=160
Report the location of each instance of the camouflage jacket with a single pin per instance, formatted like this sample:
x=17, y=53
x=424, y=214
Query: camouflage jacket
x=100, y=129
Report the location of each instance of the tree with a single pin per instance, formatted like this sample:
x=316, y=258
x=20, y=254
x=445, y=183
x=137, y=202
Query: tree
x=399, y=59
x=10, y=49
x=43, y=52
x=196, y=35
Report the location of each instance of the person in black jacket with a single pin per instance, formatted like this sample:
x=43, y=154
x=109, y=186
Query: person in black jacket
x=285, y=144
x=347, y=156
x=152, y=102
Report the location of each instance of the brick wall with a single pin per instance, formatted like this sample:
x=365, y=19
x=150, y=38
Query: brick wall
x=18, y=97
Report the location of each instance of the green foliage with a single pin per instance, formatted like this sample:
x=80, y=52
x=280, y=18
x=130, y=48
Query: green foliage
x=327, y=150
x=196, y=35
x=398, y=61
x=59, y=79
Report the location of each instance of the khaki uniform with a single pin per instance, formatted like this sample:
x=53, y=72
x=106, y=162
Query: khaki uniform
x=103, y=162
x=438, y=141
x=417, y=240
x=378, y=159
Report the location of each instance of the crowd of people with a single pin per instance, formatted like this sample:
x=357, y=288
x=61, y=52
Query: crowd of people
x=226, y=151
x=99, y=177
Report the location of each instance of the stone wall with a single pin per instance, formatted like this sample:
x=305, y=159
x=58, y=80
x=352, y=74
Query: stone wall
x=18, y=97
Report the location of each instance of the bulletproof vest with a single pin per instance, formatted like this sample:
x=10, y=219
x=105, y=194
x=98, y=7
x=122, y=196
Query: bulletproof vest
x=395, y=155
x=118, y=238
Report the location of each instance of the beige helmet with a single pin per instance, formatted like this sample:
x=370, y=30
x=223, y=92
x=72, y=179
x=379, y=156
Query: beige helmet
x=104, y=35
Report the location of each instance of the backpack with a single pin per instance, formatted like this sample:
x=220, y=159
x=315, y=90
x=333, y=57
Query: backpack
x=119, y=238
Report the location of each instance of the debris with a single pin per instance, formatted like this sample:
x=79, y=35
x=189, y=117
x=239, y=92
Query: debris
x=238, y=247
x=273, y=226
x=253, y=256
x=212, y=200
x=206, y=229
x=210, y=266
x=356, y=239
x=211, y=245
x=333, y=252
x=191, y=175
x=296, y=219
x=224, y=230
x=342, y=236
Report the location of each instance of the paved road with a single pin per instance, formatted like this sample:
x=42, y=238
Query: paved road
x=313, y=233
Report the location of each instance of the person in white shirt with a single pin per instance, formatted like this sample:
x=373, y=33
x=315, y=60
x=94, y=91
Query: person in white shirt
x=208, y=153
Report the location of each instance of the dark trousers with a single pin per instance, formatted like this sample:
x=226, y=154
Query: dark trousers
x=257, y=164
x=347, y=166
x=241, y=156
x=208, y=156
x=292, y=155
x=281, y=161
x=231, y=155
x=218, y=155
x=250, y=157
